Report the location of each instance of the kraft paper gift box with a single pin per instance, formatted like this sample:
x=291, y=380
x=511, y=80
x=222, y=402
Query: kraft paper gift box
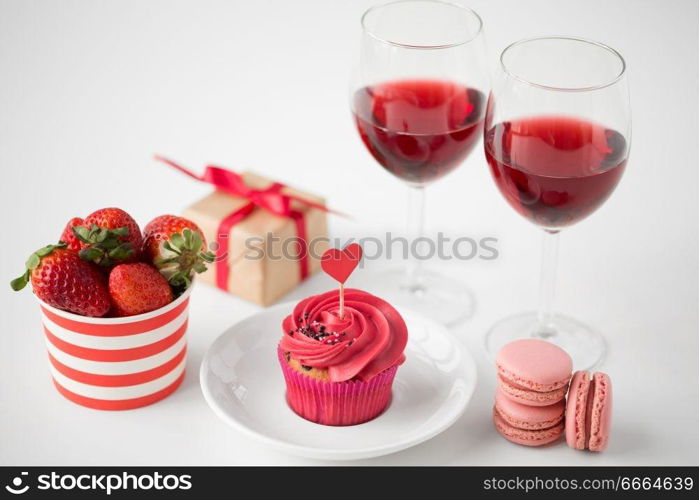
x=260, y=263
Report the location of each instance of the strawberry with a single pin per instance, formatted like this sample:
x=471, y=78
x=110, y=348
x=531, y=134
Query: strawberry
x=109, y=236
x=63, y=280
x=177, y=247
x=72, y=241
x=138, y=288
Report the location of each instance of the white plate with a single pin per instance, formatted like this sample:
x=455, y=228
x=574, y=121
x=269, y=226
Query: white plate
x=243, y=384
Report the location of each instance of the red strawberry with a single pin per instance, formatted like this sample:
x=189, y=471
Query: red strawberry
x=138, y=288
x=110, y=236
x=61, y=279
x=69, y=236
x=177, y=247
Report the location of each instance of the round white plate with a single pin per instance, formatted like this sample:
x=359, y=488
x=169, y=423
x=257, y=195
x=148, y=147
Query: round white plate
x=243, y=384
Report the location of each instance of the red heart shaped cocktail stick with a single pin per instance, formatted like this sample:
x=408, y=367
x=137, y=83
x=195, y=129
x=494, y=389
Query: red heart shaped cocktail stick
x=339, y=264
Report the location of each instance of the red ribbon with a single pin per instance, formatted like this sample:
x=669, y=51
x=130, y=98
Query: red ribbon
x=271, y=199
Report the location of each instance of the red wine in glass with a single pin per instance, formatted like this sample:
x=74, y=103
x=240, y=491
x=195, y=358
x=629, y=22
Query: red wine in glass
x=419, y=130
x=555, y=170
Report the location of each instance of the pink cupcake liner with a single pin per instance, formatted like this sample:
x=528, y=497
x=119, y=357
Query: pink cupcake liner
x=337, y=403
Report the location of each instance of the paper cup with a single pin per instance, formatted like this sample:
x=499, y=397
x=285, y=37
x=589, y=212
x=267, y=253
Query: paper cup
x=337, y=403
x=117, y=363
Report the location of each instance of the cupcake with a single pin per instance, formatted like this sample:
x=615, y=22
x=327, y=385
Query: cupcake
x=340, y=370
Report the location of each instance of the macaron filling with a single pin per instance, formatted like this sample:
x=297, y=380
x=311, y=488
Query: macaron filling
x=527, y=396
x=596, y=439
x=524, y=383
x=588, y=411
x=529, y=426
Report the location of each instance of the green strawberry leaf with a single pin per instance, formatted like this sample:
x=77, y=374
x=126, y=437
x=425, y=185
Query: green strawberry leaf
x=208, y=257
x=187, y=234
x=101, y=235
x=177, y=241
x=43, y=252
x=196, y=242
x=105, y=246
x=171, y=248
x=82, y=233
x=33, y=261
x=18, y=283
x=91, y=254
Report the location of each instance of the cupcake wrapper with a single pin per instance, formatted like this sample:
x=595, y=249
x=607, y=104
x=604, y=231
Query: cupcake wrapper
x=337, y=403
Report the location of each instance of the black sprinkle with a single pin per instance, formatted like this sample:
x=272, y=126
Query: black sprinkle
x=307, y=368
x=321, y=334
x=287, y=356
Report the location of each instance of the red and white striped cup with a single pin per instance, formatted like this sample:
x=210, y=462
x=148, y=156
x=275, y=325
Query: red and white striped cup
x=117, y=363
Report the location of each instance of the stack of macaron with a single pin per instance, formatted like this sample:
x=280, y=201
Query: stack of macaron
x=530, y=402
x=533, y=378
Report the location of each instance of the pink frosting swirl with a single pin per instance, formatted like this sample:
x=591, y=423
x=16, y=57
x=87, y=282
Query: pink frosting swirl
x=368, y=340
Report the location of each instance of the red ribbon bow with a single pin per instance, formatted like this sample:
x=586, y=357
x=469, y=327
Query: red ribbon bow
x=270, y=198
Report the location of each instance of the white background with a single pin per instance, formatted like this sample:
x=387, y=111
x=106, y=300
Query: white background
x=89, y=90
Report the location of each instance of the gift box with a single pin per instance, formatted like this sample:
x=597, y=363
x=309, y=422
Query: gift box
x=267, y=237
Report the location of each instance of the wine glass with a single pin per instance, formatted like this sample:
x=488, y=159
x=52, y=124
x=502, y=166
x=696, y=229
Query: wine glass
x=418, y=99
x=557, y=135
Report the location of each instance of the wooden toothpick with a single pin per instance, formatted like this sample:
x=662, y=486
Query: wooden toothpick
x=342, y=301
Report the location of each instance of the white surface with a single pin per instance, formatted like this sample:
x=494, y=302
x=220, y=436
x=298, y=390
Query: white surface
x=244, y=386
x=90, y=90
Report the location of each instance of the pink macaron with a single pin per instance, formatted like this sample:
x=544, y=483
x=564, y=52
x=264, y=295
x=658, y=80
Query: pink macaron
x=589, y=411
x=528, y=425
x=526, y=437
x=533, y=372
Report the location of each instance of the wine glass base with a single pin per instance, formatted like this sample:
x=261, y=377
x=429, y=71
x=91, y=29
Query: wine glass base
x=436, y=296
x=585, y=345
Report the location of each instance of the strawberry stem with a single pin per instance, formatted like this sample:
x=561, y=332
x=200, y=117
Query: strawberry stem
x=187, y=258
x=105, y=246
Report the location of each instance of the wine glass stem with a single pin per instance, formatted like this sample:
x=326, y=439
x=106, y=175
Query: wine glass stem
x=416, y=228
x=549, y=261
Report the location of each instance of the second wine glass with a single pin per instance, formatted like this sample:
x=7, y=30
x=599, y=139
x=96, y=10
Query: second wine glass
x=418, y=95
x=557, y=138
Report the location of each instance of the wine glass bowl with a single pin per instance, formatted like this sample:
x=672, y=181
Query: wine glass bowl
x=556, y=128
x=555, y=170
x=419, y=130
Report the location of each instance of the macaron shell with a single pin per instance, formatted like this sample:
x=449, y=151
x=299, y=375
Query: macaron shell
x=528, y=397
x=576, y=410
x=535, y=364
x=528, y=417
x=526, y=437
x=601, y=413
